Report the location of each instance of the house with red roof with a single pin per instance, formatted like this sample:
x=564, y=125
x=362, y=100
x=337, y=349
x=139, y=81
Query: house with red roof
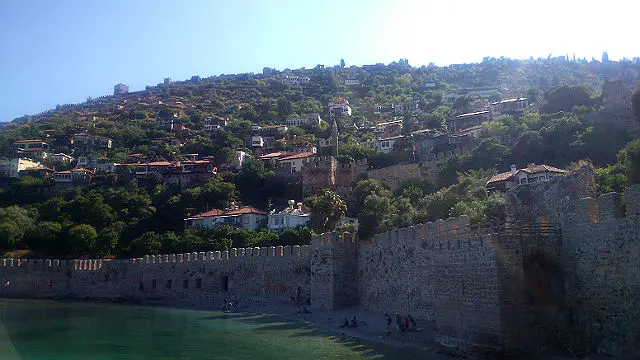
x=246, y=217
x=531, y=174
x=295, y=161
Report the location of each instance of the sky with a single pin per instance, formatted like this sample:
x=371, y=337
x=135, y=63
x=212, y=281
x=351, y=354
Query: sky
x=63, y=51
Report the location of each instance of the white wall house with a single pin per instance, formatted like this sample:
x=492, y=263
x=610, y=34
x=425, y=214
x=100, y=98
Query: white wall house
x=312, y=119
x=293, y=80
x=386, y=144
x=60, y=158
x=246, y=217
x=12, y=168
x=293, y=216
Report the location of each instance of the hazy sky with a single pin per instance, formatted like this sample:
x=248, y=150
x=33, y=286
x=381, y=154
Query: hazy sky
x=62, y=51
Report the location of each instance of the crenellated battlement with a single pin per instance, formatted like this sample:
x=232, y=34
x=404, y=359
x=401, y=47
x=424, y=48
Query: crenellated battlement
x=212, y=257
x=451, y=233
x=606, y=207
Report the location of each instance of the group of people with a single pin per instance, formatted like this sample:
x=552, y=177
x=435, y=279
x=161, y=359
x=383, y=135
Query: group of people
x=350, y=324
x=408, y=323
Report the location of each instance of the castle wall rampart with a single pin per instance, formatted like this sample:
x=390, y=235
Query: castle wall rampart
x=601, y=260
x=199, y=278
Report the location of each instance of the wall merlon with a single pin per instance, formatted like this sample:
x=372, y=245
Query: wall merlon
x=632, y=200
x=609, y=206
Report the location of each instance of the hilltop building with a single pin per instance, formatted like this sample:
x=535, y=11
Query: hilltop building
x=120, y=89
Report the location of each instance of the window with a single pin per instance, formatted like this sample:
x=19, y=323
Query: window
x=153, y=283
x=168, y=284
x=198, y=283
x=185, y=284
x=225, y=283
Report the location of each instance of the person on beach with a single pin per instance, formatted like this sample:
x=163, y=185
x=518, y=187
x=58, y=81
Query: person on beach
x=399, y=322
x=389, y=321
x=413, y=323
x=354, y=322
x=406, y=323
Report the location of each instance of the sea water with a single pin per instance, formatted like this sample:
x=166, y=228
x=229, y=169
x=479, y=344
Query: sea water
x=39, y=330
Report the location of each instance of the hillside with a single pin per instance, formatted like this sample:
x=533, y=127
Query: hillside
x=118, y=175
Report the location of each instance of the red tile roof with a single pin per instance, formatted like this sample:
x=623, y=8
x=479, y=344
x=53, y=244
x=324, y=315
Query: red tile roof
x=301, y=155
x=499, y=177
x=214, y=212
x=245, y=210
x=229, y=212
x=534, y=169
x=272, y=155
x=28, y=141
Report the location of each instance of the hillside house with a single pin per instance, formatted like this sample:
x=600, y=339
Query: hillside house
x=84, y=142
x=295, y=162
x=12, y=168
x=312, y=119
x=351, y=82
x=386, y=144
x=531, y=174
x=60, y=158
x=295, y=215
x=40, y=172
x=339, y=108
x=247, y=217
x=515, y=106
x=73, y=177
x=294, y=80
x=35, y=149
x=389, y=127
x=468, y=120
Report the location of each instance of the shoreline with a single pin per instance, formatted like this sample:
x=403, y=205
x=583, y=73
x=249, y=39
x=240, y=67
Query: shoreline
x=327, y=322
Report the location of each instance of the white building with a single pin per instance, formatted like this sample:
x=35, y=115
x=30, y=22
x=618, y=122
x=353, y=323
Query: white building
x=352, y=82
x=110, y=167
x=386, y=144
x=60, y=158
x=312, y=119
x=294, y=80
x=291, y=217
x=257, y=141
x=246, y=217
x=339, y=108
x=12, y=168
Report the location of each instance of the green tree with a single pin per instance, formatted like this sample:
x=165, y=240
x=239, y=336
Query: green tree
x=147, y=244
x=284, y=107
x=82, y=239
x=45, y=237
x=327, y=209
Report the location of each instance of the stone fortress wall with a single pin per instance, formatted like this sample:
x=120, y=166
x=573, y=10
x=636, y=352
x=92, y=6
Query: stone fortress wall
x=569, y=278
x=193, y=279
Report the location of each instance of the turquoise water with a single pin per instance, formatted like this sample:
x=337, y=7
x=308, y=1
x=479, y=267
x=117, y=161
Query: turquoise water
x=37, y=329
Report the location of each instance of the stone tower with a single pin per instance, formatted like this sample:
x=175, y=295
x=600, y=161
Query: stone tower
x=334, y=139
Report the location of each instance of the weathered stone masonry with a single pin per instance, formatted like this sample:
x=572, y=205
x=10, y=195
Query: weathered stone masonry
x=512, y=287
x=269, y=273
